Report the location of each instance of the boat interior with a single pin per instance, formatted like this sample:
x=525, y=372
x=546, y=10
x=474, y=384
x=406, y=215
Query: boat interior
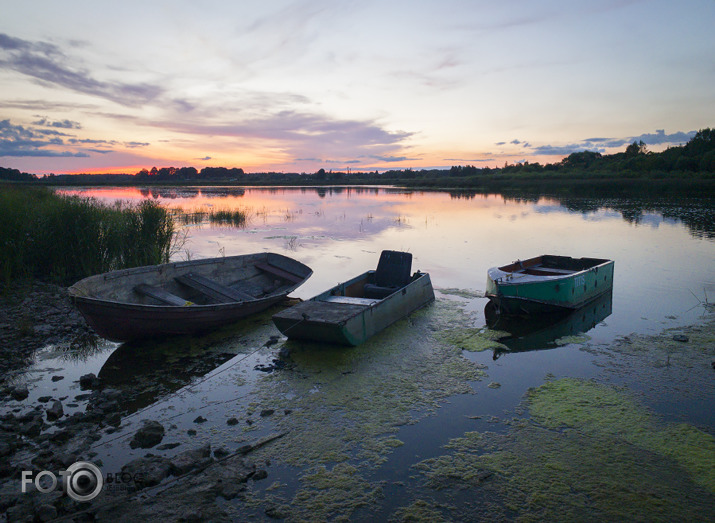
x=353, y=296
x=200, y=282
x=194, y=288
x=551, y=265
x=392, y=273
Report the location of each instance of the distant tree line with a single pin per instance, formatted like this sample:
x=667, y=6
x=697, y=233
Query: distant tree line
x=190, y=173
x=15, y=175
x=698, y=155
x=692, y=161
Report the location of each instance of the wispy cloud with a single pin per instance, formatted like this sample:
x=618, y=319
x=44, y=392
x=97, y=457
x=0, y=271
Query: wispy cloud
x=603, y=145
x=61, y=124
x=468, y=160
x=48, y=64
x=16, y=140
x=19, y=141
x=306, y=135
x=660, y=137
x=391, y=159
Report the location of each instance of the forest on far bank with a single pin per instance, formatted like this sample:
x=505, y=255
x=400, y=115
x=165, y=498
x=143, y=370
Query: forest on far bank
x=691, y=166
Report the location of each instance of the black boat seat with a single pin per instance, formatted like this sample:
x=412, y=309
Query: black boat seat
x=161, y=295
x=393, y=273
x=280, y=273
x=213, y=289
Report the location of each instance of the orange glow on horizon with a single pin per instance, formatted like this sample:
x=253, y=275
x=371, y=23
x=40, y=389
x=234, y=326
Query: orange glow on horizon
x=127, y=169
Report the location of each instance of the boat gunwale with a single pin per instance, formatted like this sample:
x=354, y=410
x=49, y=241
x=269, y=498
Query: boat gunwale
x=416, y=277
x=499, y=276
x=76, y=291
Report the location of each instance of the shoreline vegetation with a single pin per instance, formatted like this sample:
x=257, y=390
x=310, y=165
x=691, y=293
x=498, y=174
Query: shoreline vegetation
x=685, y=170
x=62, y=239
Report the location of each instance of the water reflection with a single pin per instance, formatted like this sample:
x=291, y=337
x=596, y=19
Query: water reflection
x=145, y=372
x=697, y=214
x=542, y=332
x=456, y=236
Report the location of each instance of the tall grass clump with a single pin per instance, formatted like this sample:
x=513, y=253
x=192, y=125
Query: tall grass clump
x=222, y=217
x=65, y=238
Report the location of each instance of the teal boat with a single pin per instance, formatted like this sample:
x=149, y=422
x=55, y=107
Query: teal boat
x=353, y=311
x=548, y=283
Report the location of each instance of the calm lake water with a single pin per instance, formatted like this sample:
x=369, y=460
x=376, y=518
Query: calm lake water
x=664, y=254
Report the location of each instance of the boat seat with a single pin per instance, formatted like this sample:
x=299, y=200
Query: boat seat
x=393, y=272
x=213, y=289
x=350, y=300
x=161, y=295
x=547, y=272
x=281, y=273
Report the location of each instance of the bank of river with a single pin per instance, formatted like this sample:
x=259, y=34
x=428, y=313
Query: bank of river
x=320, y=433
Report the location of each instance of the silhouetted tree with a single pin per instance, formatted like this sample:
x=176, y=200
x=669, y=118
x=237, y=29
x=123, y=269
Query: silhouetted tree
x=635, y=149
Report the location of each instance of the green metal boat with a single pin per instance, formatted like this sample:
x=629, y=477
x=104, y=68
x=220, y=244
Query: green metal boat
x=353, y=311
x=548, y=283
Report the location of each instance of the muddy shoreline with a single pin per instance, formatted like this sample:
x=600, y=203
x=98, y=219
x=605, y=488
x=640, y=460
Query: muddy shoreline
x=43, y=433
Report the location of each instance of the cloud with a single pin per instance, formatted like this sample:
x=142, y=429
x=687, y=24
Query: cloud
x=602, y=145
x=204, y=159
x=87, y=141
x=49, y=65
x=134, y=145
x=562, y=150
x=342, y=162
x=467, y=160
x=393, y=158
x=304, y=134
x=661, y=138
x=17, y=141
x=62, y=124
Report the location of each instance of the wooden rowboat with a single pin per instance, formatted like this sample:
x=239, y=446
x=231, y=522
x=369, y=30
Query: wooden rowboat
x=353, y=311
x=185, y=297
x=548, y=283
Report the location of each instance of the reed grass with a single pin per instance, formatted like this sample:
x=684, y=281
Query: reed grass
x=233, y=218
x=65, y=238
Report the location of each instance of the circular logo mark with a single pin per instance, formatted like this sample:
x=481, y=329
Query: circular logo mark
x=85, y=481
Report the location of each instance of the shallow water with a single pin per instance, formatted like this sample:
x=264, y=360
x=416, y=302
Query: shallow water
x=384, y=407
x=664, y=251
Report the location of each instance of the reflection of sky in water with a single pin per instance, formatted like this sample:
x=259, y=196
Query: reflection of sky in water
x=340, y=233
x=646, y=218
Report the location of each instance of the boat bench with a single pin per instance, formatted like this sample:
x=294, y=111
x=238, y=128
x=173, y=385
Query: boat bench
x=161, y=295
x=350, y=300
x=213, y=289
x=281, y=273
x=547, y=271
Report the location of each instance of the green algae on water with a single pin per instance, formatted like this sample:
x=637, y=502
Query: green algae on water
x=579, y=339
x=475, y=340
x=347, y=404
x=590, y=452
x=332, y=493
x=418, y=512
x=594, y=408
x=462, y=293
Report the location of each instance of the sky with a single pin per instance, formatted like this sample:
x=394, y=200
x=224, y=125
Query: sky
x=295, y=86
